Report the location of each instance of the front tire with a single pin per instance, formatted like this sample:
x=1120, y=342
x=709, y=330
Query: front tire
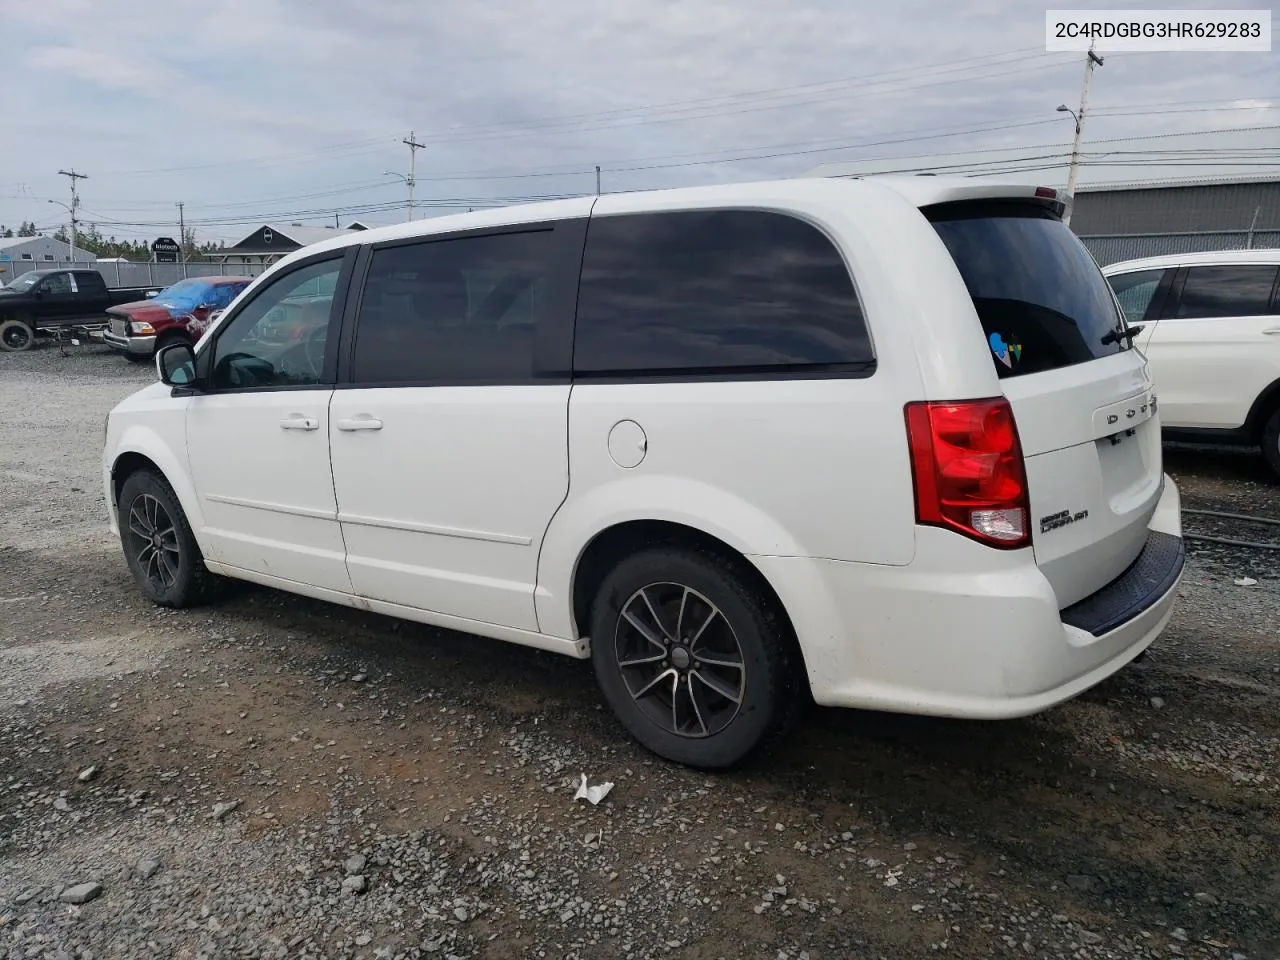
x=1271, y=442
x=690, y=657
x=16, y=335
x=160, y=549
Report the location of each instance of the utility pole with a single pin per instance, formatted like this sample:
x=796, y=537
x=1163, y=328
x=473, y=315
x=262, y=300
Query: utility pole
x=414, y=146
x=597, y=179
x=182, y=230
x=1073, y=170
x=75, y=203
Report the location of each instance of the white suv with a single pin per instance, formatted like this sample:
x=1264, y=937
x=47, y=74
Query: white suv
x=885, y=440
x=1211, y=330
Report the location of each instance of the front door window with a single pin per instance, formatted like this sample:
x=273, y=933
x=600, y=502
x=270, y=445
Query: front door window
x=279, y=338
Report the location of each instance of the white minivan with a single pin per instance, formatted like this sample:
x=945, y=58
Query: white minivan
x=885, y=442
x=1211, y=332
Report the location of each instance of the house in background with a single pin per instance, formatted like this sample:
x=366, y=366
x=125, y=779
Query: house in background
x=271, y=241
x=20, y=254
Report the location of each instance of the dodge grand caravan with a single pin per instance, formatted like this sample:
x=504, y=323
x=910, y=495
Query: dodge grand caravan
x=887, y=441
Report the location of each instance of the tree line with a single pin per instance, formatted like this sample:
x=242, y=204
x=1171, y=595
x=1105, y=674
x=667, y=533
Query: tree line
x=90, y=238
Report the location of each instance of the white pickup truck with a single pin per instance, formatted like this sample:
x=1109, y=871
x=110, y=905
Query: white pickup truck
x=1211, y=332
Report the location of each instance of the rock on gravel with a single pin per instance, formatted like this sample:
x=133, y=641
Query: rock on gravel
x=222, y=810
x=355, y=864
x=81, y=893
x=356, y=884
x=147, y=868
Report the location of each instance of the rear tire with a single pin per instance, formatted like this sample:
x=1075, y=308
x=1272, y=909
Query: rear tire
x=16, y=335
x=696, y=665
x=158, y=544
x=1271, y=442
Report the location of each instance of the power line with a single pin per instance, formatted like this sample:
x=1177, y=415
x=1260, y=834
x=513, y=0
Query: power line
x=877, y=84
x=631, y=122
x=293, y=156
x=755, y=96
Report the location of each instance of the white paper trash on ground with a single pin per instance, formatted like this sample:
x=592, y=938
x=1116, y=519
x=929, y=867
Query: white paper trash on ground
x=592, y=795
x=1246, y=582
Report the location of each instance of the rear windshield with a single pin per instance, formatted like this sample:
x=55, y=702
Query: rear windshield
x=1042, y=300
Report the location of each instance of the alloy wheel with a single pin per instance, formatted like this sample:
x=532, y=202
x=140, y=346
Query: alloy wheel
x=153, y=539
x=680, y=660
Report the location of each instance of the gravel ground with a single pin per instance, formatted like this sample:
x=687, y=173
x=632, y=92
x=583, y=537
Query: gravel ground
x=274, y=777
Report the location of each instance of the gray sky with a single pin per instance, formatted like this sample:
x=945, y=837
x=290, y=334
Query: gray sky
x=292, y=110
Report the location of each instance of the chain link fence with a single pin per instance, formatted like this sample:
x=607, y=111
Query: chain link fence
x=118, y=274
x=1133, y=246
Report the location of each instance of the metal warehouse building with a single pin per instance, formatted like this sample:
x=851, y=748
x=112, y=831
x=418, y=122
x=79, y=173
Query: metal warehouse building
x=1121, y=222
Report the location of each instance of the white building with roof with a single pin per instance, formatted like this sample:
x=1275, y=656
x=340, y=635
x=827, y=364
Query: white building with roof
x=271, y=241
x=20, y=254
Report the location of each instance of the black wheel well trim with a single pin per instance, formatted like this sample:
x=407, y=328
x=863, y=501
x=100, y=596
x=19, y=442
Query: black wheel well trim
x=125, y=466
x=613, y=544
x=1267, y=401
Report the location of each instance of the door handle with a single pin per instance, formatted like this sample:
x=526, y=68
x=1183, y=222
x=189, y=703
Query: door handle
x=1272, y=331
x=299, y=423
x=362, y=422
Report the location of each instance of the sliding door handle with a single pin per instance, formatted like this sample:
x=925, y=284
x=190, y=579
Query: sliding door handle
x=361, y=422
x=299, y=423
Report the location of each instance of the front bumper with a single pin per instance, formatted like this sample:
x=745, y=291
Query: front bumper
x=138, y=346
x=966, y=631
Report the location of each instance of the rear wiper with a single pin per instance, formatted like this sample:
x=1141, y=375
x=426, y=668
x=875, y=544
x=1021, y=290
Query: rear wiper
x=1118, y=335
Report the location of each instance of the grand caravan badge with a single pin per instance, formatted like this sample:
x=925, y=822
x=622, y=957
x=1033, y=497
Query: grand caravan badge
x=1063, y=518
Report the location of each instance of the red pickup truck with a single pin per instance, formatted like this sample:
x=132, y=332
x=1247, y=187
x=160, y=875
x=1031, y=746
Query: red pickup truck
x=178, y=314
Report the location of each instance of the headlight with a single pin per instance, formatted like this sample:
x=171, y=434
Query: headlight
x=140, y=328
x=106, y=425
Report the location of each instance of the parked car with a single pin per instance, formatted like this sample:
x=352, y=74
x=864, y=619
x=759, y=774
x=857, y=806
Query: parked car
x=1211, y=331
x=49, y=299
x=886, y=439
x=178, y=314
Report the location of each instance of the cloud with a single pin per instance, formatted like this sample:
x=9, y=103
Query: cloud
x=99, y=67
x=298, y=106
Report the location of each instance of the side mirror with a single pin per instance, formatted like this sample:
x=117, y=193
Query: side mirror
x=176, y=366
x=38, y=293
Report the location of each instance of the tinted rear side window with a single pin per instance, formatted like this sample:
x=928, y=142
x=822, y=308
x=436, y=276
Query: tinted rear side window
x=457, y=310
x=713, y=292
x=1042, y=300
x=1239, y=291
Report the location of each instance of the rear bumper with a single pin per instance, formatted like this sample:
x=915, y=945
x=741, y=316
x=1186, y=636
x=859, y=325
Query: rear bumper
x=965, y=631
x=138, y=346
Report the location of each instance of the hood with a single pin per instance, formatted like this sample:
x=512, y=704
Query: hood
x=146, y=310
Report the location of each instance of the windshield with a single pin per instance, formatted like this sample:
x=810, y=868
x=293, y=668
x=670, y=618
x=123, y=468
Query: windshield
x=24, y=282
x=184, y=295
x=1042, y=300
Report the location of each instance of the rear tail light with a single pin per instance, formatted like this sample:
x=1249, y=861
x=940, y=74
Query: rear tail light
x=968, y=470
x=1047, y=193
